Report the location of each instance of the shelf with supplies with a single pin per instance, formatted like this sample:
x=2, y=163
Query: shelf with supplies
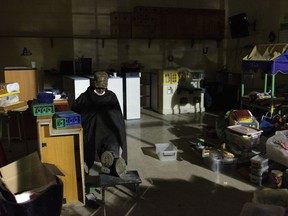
x=280, y=104
x=269, y=59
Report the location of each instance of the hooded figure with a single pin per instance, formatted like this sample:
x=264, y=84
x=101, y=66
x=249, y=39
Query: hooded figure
x=104, y=131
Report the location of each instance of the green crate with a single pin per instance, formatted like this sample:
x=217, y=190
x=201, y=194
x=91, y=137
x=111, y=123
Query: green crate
x=72, y=118
x=89, y=188
x=42, y=109
x=59, y=123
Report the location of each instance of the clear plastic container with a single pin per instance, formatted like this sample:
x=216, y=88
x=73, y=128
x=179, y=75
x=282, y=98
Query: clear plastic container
x=259, y=171
x=243, y=136
x=217, y=163
x=259, y=162
x=166, y=151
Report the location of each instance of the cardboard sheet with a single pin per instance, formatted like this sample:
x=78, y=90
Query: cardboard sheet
x=27, y=173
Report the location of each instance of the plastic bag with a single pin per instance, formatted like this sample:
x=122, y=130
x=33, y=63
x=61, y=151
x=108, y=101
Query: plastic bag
x=266, y=126
x=267, y=117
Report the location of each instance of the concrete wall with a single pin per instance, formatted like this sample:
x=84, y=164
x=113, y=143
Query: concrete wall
x=54, y=23
x=268, y=15
x=29, y=24
x=114, y=52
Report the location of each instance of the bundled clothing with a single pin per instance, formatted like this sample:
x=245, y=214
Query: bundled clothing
x=103, y=124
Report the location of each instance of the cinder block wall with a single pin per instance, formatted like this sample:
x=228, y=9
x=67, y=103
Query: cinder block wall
x=51, y=25
x=48, y=26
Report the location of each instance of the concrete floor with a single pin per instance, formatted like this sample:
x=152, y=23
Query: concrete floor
x=182, y=187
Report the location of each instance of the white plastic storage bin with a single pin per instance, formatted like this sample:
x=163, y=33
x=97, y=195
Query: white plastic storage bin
x=259, y=162
x=259, y=171
x=243, y=136
x=258, y=180
x=166, y=151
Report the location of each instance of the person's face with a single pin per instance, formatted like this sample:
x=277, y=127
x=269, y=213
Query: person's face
x=100, y=90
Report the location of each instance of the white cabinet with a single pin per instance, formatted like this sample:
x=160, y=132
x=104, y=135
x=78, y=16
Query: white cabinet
x=132, y=107
x=73, y=86
x=115, y=84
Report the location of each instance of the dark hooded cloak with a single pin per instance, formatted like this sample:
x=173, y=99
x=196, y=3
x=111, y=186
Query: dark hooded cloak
x=103, y=124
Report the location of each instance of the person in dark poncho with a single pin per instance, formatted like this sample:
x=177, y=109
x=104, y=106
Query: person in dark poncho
x=104, y=131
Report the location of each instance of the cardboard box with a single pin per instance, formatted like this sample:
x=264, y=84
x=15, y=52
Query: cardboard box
x=28, y=187
x=28, y=174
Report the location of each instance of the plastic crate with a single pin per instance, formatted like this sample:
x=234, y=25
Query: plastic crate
x=243, y=136
x=61, y=105
x=217, y=163
x=259, y=180
x=259, y=162
x=259, y=171
x=59, y=122
x=238, y=150
x=45, y=97
x=42, y=109
x=71, y=118
x=166, y=151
